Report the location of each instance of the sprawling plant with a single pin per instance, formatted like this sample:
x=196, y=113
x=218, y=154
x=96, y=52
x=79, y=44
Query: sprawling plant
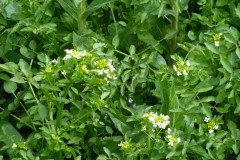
x=119, y=79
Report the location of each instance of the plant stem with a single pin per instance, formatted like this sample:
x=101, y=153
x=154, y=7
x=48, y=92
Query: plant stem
x=81, y=21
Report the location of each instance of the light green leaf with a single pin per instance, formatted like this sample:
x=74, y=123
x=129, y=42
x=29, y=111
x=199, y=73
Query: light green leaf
x=226, y=64
x=211, y=47
x=24, y=51
x=18, y=79
x=230, y=38
x=24, y=67
x=9, y=86
x=115, y=41
x=132, y=50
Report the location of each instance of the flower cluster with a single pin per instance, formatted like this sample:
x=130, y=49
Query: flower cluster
x=211, y=125
x=74, y=54
x=105, y=67
x=21, y=145
x=124, y=145
x=158, y=121
x=172, y=141
x=181, y=67
x=216, y=39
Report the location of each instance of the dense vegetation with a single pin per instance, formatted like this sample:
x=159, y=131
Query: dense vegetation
x=120, y=79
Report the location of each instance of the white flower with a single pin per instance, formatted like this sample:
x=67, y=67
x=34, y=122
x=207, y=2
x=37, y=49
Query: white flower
x=216, y=127
x=144, y=128
x=173, y=141
x=54, y=61
x=14, y=145
x=188, y=63
x=64, y=72
x=66, y=57
x=130, y=100
x=206, y=119
x=216, y=43
x=210, y=131
x=169, y=130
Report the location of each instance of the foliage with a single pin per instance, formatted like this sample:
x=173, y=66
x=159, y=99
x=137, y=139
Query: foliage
x=119, y=79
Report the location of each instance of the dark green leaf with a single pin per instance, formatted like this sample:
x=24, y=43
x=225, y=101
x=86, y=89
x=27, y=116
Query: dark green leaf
x=42, y=110
x=69, y=7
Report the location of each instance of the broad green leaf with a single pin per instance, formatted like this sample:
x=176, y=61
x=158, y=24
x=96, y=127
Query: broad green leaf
x=119, y=121
x=12, y=106
x=234, y=32
x=104, y=95
x=212, y=47
x=62, y=99
x=221, y=3
x=233, y=128
x=42, y=110
x=191, y=35
x=203, y=86
x=18, y=79
x=69, y=7
x=226, y=64
x=9, y=67
x=224, y=109
x=9, y=134
x=147, y=38
x=115, y=41
x=156, y=60
x=4, y=76
x=170, y=34
x=9, y=86
x=25, y=52
x=230, y=38
x=24, y=67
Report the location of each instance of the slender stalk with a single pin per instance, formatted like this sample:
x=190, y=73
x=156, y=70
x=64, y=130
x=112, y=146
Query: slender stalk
x=81, y=21
x=175, y=27
x=17, y=118
x=25, y=111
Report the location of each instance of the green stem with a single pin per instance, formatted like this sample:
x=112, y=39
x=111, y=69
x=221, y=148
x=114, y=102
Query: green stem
x=81, y=21
x=26, y=111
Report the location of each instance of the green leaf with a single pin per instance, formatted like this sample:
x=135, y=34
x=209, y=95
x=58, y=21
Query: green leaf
x=18, y=79
x=9, y=134
x=115, y=41
x=203, y=87
x=132, y=50
x=226, y=64
x=24, y=67
x=9, y=67
x=69, y=7
x=211, y=47
x=170, y=34
x=119, y=121
x=96, y=4
x=42, y=110
x=238, y=52
x=147, y=38
x=24, y=52
x=221, y=3
x=156, y=60
x=9, y=86
x=230, y=38
x=191, y=35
